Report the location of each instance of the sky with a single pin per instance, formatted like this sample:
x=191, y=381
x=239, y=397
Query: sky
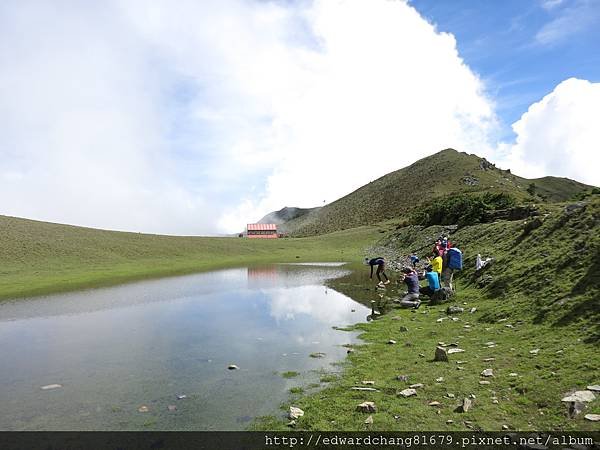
x=196, y=117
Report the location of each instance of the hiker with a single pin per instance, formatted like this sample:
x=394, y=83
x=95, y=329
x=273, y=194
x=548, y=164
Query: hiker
x=453, y=263
x=380, y=263
x=414, y=259
x=445, y=243
x=437, y=247
x=437, y=264
x=433, y=281
x=478, y=262
x=411, y=298
x=481, y=263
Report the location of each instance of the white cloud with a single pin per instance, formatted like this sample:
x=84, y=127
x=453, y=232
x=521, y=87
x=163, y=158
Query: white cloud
x=384, y=89
x=551, y=4
x=569, y=21
x=142, y=116
x=82, y=138
x=559, y=135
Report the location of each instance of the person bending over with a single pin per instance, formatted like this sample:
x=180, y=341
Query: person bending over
x=380, y=263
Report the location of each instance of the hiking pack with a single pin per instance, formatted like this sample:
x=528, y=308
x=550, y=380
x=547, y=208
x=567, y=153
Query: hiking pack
x=455, y=259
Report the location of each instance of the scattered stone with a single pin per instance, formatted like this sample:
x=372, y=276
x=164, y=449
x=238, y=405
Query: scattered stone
x=172, y=408
x=367, y=407
x=368, y=382
x=391, y=341
x=482, y=382
x=143, y=409
x=403, y=329
x=49, y=387
x=369, y=420
x=317, y=355
x=434, y=403
x=594, y=387
x=450, y=395
x=350, y=350
x=534, y=351
x=508, y=325
x=472, y=396
x=407, y=392
x=472, y=310
x=574, y=409
x=490, y=344
x=440, y=320
x=489, y=359
x=487, y=373
x=495, y=401
x=460, y=368
x=365, y=389
x=421, y=355
x=439, y=380
x=291, y=423
x=181, y=396
x=295, y=413
x=465, y=406
x=402, y=378
x=592, y=417
x=574, y=207
x=580, y=396
x=455, y=319
x=449, y=421
x=232, y=367
x=416, y=386
x=461, y=362
x=513, y=374
x=505, y=427
x=467, y=326
x=455, y=350
x=440, y=354
x=454, y=310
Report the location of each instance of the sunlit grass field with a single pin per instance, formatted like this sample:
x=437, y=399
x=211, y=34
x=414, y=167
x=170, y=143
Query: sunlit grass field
x=41, y=258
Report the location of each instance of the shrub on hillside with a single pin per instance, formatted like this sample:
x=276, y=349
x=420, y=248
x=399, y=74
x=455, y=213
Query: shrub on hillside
x=462, y=209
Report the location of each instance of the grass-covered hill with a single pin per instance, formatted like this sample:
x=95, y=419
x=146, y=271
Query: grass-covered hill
x=445, y=173
x=41, y=257
x=533, y=318
x=285, y=215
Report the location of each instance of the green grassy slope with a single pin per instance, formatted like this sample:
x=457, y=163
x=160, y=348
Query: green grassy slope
x=41, y=257
x=444, y=173
x=285, y=215
x=542, y=294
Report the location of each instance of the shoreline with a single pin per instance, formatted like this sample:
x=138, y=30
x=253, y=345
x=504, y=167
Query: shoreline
x=43, y=259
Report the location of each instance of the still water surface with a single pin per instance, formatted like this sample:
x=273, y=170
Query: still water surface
x=116, y=349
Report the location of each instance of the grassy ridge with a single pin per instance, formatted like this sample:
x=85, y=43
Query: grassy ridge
x=445, y=173
x=41, y=258
x=541, y=293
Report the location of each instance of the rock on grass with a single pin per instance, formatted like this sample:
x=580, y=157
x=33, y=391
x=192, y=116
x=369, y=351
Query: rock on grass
x=367, y=407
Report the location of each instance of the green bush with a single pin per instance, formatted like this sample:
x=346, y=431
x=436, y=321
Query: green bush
x=462, y=209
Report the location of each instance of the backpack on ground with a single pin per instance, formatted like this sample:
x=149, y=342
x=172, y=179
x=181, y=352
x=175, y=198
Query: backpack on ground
x=455, y=260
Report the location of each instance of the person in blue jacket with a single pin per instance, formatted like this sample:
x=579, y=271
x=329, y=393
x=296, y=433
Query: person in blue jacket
x=433, y=282
x=380, y=263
